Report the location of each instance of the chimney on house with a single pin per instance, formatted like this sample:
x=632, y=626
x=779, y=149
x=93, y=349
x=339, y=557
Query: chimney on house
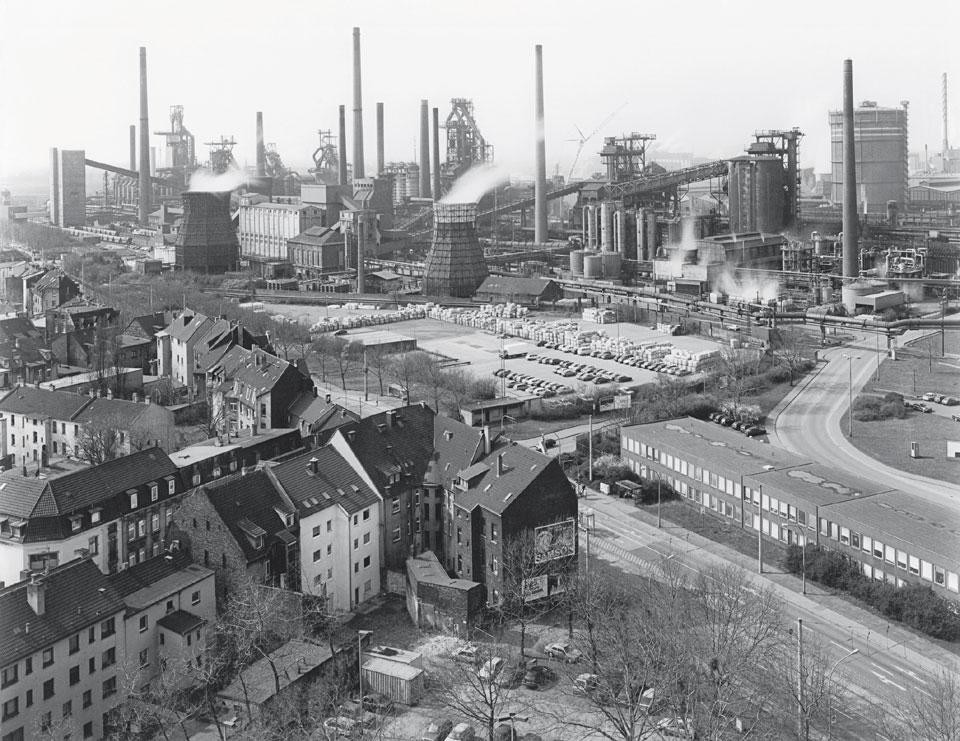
x=487, y=440
x=500, y=467
x=36, y=595
x=314, y=466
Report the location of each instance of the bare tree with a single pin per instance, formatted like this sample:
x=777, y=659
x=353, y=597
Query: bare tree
x=376, y=360
x=933, y=714
x=346, y=359
x=404, y=368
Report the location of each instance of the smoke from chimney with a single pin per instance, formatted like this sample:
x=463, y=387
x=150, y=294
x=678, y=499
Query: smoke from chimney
x=540, y=185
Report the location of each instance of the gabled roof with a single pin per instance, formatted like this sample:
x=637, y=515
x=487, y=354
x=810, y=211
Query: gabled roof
x=185, y=326
x=333, y=483
x=77, y=594
x=119, y=412
x=81, y=305
x=51, y=280
x=83, y=488
x=509, y=285
x=155, y=579
x=147, y=325
x=318, y=415
x=494, y=491
x=43, y=403
x=318, y=236
x=262, y=371
x=244, y=500
x=18, y=327
x=384, y=447
x=456, y=446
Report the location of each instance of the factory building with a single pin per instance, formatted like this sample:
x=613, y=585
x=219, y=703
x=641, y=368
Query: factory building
x=880, y=140
x=406, y=180
x=68, y=187
x=316, y=251
x=265, y=228
x=713, y=256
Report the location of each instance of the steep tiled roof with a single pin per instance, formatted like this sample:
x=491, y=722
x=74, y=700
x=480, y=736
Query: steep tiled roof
x=261, y=370
x=148, y=572
x=455, y=446
x=513, y=285
x=252, y=498
x=17, y=327
x=147, y=325
x=333, y=482
x=404, y=445
x=319, y=415
x=186, y=325
x=43, y=403
x=119, y=412
x=77, y=595
x=523, y=469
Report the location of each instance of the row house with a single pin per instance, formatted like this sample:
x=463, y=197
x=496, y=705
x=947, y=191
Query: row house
x=227, y=454
x=339, y=516
x=117, y=512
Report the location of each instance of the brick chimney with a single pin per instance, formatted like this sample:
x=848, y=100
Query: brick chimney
x=36, y=595
x=500, y=467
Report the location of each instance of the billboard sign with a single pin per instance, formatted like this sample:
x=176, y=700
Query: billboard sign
x=558, y=540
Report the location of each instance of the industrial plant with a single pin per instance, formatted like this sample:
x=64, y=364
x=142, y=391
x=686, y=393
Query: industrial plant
x=647, y=228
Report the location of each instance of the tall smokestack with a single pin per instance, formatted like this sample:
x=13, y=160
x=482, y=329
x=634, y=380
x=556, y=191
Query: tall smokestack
x=850, y=223
x=540, y=185
x=133, y=147
x=946, y=135
x=357, y=109
x=425, y=191
x=437, y=190
x=261, y=150
x=144, y=210
x=380, y=159
x=342, y=146
x=361, y=250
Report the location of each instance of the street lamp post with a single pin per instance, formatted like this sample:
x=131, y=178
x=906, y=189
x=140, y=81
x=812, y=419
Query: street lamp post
x=644, y=471
x=803, y=559
x=803, y=726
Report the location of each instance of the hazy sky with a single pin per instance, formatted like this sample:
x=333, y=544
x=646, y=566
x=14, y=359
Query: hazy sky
x=700, y=75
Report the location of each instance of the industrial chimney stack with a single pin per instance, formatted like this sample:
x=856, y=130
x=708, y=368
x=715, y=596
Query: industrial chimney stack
x=946, y=134
x=261, y=150
x=145, y=187
x=540, y=185
x=424, y=149
x=133, y=147
x=357, y=109
x=437, y=190
x=850, y=222
x=342, y=147
x=380, y=159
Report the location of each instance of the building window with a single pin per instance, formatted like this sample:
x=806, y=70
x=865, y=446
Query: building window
x=395, y=505
x=88, y=727
x=356, y=567
x=109, y=658
x=195, y=598
x=316, y=531
x=9, y=675
x=154, y=492
x=68, y=708
x=91, y=665
x=316, y=556
x=143, y=623
x=330, y=573
x=48, y=689
x=109, y=687
x=107, y=628
x=74, y=674
x=47, y=656
x=366, y=562
x=144, y=658
x=366, y=538
x=171, y=486
x=396, y=535
x=366, y=514
x=29, y=698
x=11, y=708
x=133, y=500
x=329, y=525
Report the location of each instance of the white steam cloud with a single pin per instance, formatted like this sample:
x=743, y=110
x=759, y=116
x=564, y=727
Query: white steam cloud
x=207, y=181
x=470, y=187
x=748, y=289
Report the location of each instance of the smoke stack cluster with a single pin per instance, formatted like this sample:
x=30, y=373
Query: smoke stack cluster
x=850, y=221
x=540, y=185
x=144, y=209
x=357, y=109
x=425, y=191
x=261, y=150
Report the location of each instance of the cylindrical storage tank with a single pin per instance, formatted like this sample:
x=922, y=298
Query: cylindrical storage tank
x=620, y=242
x=592, y=265
x=769, y=194
x=576, y=262
x=606, y=226
x=590, y=215
x=611, y=262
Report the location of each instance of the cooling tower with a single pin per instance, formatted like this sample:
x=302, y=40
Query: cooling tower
x=455, y=264
x=207, y=242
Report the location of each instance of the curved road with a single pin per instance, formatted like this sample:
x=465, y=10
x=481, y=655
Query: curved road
x=808, y=424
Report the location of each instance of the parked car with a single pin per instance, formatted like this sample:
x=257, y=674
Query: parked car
x=563, y=650
x=342, y=727
x=587, y=683
x=437, y=730
x=950, y=401
x=754, y=431
x=466, y=654
x=462, y=732
x=930, y=396
x=918, y=406
x=955, y=417
x=490, y=669
x=537, y=675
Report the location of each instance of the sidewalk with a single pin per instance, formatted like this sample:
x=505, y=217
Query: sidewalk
x=873, y=629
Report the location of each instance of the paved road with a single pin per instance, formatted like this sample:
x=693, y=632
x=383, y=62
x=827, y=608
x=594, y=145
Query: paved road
x=889, y=662
x=808, y=423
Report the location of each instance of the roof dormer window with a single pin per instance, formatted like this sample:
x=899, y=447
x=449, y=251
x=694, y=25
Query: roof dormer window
x=76, y=522
x=133, y=498
x=95, y=515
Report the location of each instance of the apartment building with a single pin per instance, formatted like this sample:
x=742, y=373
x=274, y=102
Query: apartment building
x=117, y=513
x=339, y=514
x=892, y=536
x=61, y=648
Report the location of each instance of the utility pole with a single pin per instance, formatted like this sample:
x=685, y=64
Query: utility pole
x=590, y=450
x=801, y=722
x=760, y=533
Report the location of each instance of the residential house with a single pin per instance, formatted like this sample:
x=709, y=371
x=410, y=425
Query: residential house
x=176, y=347
x=79, y=313
x=52, y=290
x=117, y=513
x=261, y=392
x=24, y=354
x=170, y=606
x=317, y=418
x=61, y=652
x=392, y=450
x=139, y=340
x=339, y=515
x=243, y=527
x=39, y=425
x=492, y=503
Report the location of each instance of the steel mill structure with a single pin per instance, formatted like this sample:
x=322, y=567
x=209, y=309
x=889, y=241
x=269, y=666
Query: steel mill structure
x=455, y=265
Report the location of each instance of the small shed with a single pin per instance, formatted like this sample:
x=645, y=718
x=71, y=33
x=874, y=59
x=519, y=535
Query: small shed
x=400, y=681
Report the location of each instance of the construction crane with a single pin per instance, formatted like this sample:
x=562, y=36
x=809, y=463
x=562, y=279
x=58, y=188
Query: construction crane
x=584, y=139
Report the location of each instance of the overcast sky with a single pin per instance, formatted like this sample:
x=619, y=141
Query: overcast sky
x=702, y=76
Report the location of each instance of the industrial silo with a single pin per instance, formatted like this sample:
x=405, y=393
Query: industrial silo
x=576, y=262
x=592, y=265
x=610, y=263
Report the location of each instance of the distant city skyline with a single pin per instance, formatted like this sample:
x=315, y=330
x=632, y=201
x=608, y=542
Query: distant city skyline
x=702, y=78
